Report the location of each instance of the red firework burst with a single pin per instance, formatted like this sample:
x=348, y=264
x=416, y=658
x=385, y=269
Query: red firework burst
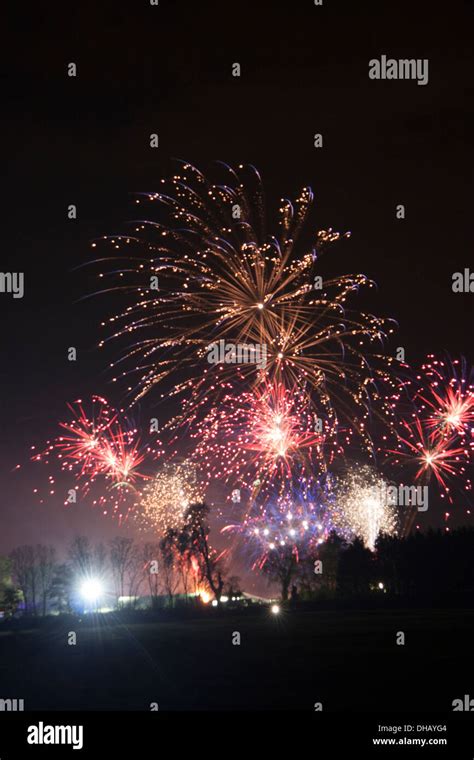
x=263, y=436
x=444, y=458
x=447, y=397
x=99, y=445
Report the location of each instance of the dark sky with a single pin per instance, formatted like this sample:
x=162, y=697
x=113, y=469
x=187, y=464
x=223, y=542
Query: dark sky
x=167, y=69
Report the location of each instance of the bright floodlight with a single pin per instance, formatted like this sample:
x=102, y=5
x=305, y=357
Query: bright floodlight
x=275, y=609
x=91, y=590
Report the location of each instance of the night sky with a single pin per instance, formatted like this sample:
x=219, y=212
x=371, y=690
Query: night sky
x=167, y=69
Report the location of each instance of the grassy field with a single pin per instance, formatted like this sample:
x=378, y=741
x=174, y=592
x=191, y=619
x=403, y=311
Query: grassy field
x=347, y=660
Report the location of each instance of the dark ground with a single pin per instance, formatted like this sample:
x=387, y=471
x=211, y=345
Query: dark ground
x=348, y=660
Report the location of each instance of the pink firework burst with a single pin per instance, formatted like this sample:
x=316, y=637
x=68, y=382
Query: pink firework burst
x=261, y=436
x=447, y=397
x=444, y=457
x=101, y=445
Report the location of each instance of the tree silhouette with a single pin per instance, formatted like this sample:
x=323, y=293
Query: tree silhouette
x=355, y=569
x=281, y=567
x=194, y=543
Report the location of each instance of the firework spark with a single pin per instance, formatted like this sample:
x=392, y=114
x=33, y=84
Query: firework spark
x=365, y=509
x=167, y=496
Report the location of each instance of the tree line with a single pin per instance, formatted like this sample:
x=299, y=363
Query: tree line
x=431, y=563
x=181, y=562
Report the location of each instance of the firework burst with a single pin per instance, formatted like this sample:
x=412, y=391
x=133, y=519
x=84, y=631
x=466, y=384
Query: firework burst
x=356, y=505
x=442, y=458
x=209, y=271
x=299, y=521
x=267, y=436
x=97, y=447
x=446, y=399
x=364, y=508
x=167, y=496
x=435, y=419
